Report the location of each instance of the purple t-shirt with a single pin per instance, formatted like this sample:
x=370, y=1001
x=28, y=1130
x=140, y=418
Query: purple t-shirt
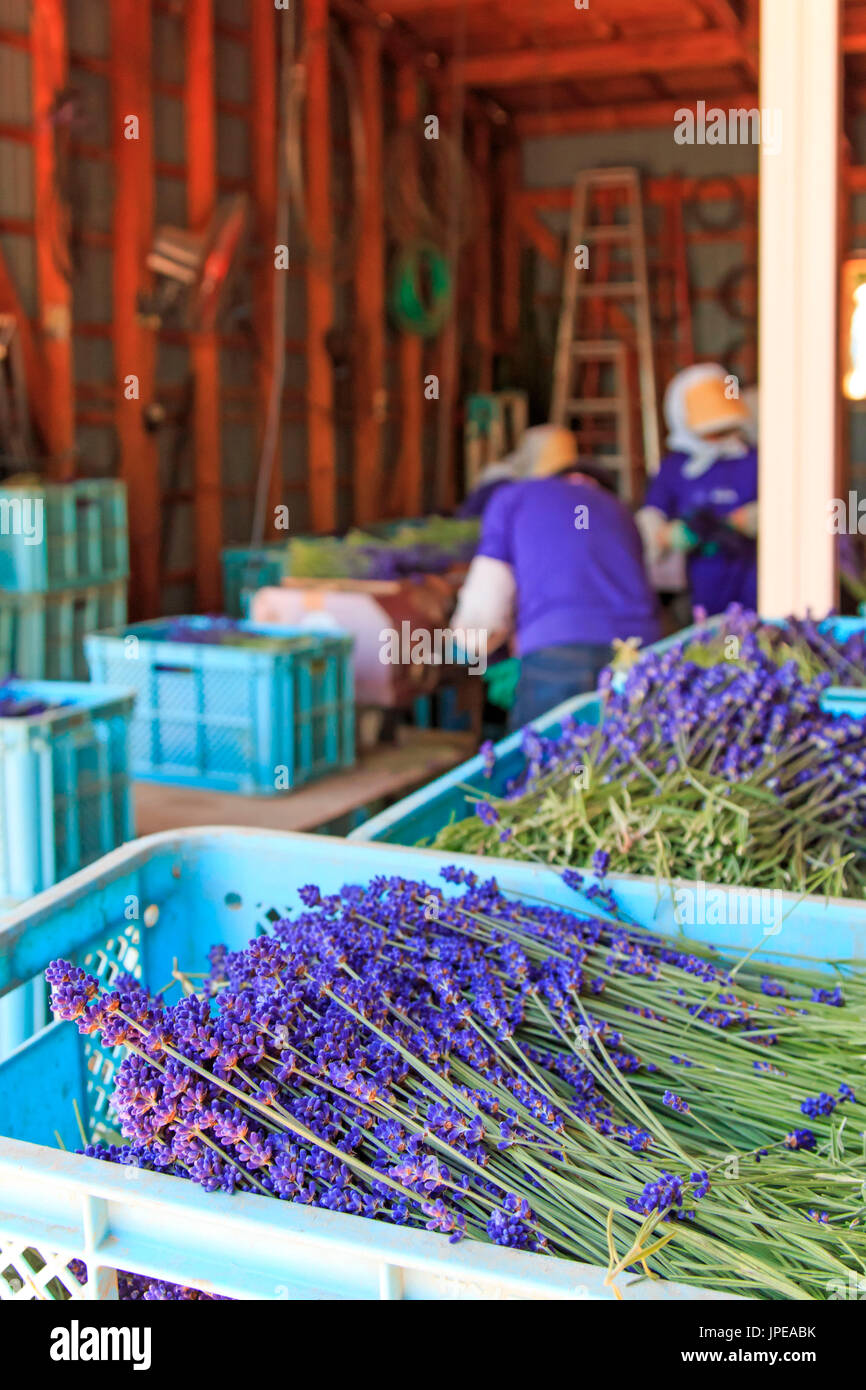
x=577, y=559
x=715, y=580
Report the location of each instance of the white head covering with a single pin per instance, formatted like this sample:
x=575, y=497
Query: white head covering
x=687, y=437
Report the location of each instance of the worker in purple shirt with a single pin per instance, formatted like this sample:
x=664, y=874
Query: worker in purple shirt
x=560, y=562
x=702, y=503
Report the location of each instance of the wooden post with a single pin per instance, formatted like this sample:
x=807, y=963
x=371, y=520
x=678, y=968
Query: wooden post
x=134, y=345
x=510, y=182
x=411, y=466
x=200, y=114
x=451, y=106
x=50, y=67
x=264, y=131
x=321, y=444
x=483, y=250
x=799, y=287
x=370, y=394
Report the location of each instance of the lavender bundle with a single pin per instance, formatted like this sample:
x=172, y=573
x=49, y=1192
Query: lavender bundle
x=554, y=1081
x=815, y=652
x=729, y=773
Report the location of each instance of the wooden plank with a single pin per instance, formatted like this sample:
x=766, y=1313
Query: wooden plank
x=134, y=345
x=321, y=443
x=200, y=116
x=411, y=350
x=370, y=392
x=386, y=773
x=50, y=73
x=532, y=66
x=482, y=288
x=264, y=127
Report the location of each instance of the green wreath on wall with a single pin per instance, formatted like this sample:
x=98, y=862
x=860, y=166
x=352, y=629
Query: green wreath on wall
x=422, y=289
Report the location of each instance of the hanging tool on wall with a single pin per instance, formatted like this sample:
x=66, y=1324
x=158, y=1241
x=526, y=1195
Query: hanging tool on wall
x=195, y=270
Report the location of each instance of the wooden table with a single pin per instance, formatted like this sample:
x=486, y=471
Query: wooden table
x=384, y=775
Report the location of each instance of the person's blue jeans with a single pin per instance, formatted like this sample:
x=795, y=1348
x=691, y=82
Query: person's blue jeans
x=553, y=674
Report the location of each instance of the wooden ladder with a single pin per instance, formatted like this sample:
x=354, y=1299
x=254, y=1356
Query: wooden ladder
x=607, y=301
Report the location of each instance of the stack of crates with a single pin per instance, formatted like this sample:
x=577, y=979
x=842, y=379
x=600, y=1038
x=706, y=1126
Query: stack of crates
x=246, y=568
x=64, y=566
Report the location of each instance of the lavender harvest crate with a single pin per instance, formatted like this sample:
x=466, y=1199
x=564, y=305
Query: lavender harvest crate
x=419, y=817
x=170, y=897
x=259, y=711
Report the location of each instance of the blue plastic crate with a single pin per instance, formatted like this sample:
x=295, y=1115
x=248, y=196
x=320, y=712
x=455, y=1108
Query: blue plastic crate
x=6, y=630
x=263, y=713
x=64, y=783
x=416, y=819
x=81, y=537
x=251, y=567
x=169, y=898
x=48, y=630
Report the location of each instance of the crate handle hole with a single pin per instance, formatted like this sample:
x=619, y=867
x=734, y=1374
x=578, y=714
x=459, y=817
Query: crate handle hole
x=233, y=900
x=176, y=670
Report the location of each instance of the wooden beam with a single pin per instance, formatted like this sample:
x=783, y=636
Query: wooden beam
x=633, y=115
x=723, y=14
x=321, y=442
x=482, y=288
x=538, y=234
x=134, y=345
x=264, y=128
x=200, y=117
x=510, y=180
x=50, y=72
x=538, y=66
x=411, y=350
x=451, y=107
x=370, y=393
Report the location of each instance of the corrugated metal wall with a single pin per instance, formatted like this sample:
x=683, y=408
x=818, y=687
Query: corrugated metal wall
x=554, y=162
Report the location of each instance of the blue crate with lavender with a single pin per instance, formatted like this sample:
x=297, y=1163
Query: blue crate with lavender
x=227, y=705
x=803, y=841
x=191, y=914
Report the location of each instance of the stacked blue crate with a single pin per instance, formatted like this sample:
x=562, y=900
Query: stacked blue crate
x=231, y=706
x=64, y=564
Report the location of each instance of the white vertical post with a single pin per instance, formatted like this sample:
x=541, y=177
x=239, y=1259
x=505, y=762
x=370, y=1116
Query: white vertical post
x=799, y=289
